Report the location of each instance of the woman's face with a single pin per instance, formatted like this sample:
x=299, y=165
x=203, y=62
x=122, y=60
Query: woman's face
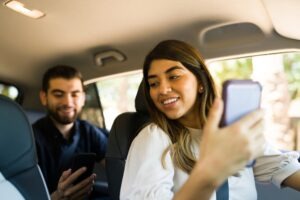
x=174, y=90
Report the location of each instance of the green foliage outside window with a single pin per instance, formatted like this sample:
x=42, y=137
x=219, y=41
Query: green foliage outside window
x=231, y=69
x=242, y=69
x=292, y=69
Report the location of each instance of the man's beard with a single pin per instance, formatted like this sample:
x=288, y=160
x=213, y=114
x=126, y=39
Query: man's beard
x=62, y=119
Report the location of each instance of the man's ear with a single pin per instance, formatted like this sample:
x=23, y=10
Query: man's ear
x=43, y=97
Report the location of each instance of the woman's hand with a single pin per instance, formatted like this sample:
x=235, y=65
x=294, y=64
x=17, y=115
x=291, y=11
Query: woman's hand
x=225, y=151
x=67, y=191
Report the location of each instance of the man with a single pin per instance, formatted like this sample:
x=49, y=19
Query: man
x=60, y=135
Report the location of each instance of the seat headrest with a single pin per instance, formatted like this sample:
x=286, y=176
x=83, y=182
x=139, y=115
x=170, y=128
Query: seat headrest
x=140, y=100
x=17, y=150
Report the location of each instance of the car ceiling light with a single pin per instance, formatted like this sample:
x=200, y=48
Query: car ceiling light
x=109, y=55
x=20, y=8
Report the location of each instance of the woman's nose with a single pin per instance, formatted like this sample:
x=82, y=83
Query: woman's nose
x=165, y=87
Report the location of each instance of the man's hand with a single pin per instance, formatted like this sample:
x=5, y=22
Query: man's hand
x=67, y=191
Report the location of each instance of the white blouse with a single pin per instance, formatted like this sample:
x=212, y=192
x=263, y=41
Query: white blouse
x=145, y=177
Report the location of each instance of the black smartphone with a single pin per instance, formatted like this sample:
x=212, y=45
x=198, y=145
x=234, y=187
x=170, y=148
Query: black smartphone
x=240, y=97
x=83, y=160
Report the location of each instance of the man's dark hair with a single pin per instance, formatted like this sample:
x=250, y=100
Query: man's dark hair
x=60, y=71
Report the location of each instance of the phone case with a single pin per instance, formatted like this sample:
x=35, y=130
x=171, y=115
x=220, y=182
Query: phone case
x=83, y=160
x=240, y=98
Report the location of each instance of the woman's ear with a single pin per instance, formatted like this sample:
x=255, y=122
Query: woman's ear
x=201, y=89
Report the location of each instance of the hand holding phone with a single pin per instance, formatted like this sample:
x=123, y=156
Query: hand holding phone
x=83, y=160
x=240, y=98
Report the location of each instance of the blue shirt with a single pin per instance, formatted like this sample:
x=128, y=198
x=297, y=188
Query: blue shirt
x=51, y=145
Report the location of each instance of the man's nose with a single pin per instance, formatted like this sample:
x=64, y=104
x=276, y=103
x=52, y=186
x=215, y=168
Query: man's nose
x=68, y=100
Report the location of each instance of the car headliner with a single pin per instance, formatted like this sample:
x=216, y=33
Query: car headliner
x=73, y=31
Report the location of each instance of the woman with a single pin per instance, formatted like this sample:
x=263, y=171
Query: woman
x=184, y=154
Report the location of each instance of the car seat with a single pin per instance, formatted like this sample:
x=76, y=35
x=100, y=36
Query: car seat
x=124, y=129
x=20, y=175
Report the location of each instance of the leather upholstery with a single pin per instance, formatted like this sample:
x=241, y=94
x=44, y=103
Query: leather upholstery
x=18, y=160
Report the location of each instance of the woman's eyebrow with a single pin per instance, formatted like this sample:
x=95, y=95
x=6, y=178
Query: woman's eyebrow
x=167, y=71
x=172, y=69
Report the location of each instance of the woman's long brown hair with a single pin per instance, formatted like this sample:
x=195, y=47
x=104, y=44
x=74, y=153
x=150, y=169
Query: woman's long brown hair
x=181, y=148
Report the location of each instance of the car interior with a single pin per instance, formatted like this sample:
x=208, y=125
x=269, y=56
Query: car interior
x=107, y=42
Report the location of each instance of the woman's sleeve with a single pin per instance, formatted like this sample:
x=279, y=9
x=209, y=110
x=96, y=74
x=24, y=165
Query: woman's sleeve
x=144, y=176
x=275, y=166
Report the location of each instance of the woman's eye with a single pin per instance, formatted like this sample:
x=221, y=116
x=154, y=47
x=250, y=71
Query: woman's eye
x=173, y=77
x=152, y=85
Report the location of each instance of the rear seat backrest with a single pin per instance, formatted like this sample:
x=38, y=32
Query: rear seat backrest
x=124, y=129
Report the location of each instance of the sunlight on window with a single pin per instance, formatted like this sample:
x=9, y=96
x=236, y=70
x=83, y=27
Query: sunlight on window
x=278, y=74
x=9, y=91
x=117, y=94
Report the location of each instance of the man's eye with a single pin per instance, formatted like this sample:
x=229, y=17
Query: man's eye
x=76, y=95
x=58, y=95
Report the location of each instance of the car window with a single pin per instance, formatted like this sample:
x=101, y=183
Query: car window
x=92, y=109
x=117, y=94
x=279, y=74
x=10, y=91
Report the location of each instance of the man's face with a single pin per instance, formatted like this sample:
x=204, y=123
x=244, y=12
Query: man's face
x=64, y=99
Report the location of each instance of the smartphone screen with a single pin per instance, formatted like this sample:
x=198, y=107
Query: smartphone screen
x=240, y=98
x=83, y=160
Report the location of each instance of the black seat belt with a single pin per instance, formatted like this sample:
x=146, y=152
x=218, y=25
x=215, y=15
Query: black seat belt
x=223, y=191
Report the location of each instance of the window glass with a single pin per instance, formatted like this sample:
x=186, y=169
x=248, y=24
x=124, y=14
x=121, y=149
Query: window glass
x=10, y=91
x=92, y=110
x=117, y=94
x=279, y=74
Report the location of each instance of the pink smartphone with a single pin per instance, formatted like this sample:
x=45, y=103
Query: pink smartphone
x=240, y=98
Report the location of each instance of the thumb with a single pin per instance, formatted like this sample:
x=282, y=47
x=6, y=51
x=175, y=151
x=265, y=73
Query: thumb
x=214, y=116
